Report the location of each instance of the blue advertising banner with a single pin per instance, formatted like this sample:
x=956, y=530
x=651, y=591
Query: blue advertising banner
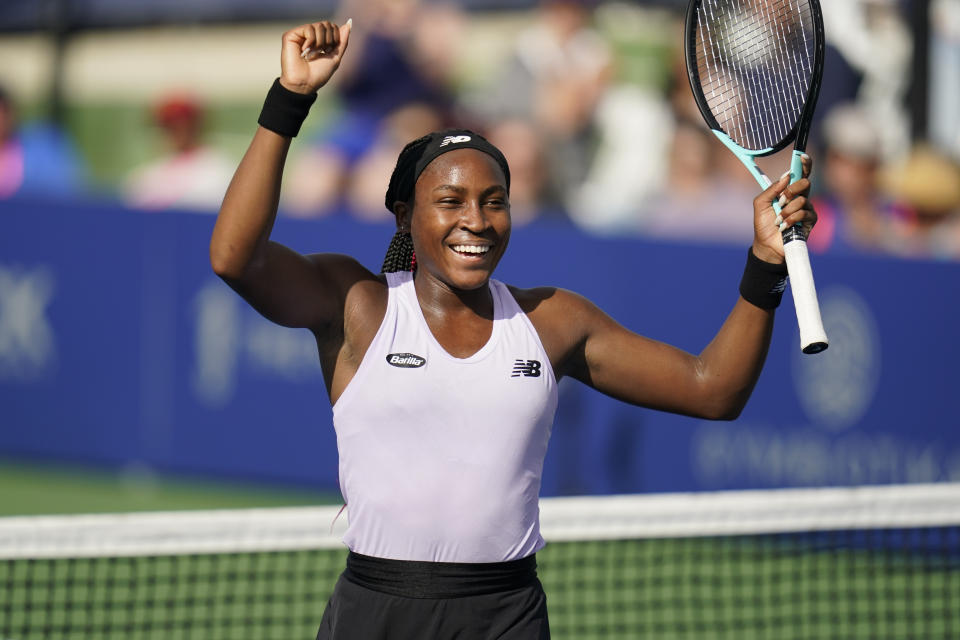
x=119, y=346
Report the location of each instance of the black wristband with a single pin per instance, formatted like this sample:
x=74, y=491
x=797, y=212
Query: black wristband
x=763, y=282
x=284, y=111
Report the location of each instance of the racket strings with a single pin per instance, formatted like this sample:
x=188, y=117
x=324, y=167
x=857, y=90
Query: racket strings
x=755, y=63
x=795, y=69
x=787, y=110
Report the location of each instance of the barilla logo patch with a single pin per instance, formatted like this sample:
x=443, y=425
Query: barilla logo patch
x=406, y=360
x=454, y=140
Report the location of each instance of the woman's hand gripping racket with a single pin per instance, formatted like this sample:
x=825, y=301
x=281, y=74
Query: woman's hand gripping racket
x=755, y=69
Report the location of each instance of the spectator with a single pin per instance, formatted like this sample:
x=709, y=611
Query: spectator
x=190, y=174
x=854, y=214
x=555, y=78
x=928, y=183
x=706, y=195
x=702, y=186
x=37, y=159
x=523, y=148
x=944, y=71
x=876, y=46
x=363, y=190
x=392, y=67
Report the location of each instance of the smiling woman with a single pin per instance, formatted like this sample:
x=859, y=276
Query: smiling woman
x=443, y=380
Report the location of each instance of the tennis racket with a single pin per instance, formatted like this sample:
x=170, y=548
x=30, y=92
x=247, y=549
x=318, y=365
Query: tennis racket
x=755, y=69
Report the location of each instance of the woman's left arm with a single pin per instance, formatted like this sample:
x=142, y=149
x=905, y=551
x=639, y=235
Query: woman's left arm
x=588, y=345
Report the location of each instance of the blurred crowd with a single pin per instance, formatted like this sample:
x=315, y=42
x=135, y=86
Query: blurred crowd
x=587, y=144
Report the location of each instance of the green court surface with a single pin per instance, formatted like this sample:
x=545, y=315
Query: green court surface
x=35, y=489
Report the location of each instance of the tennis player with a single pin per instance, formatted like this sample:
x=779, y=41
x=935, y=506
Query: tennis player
x=443, y=380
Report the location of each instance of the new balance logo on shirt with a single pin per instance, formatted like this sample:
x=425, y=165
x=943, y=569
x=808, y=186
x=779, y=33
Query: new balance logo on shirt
x=526, y=368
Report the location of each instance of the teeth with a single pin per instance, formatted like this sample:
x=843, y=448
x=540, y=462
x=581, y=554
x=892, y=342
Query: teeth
x=470, y=248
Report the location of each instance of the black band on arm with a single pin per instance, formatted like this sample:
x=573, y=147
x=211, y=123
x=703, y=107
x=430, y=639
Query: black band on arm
x=763, y=283
x=284, y=111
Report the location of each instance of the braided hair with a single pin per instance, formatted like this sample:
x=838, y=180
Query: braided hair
x=400, y=255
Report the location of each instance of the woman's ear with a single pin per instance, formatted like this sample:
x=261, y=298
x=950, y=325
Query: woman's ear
x=402, y=211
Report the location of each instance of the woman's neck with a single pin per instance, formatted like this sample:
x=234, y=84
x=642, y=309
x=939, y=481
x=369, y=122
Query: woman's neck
x=442, y=300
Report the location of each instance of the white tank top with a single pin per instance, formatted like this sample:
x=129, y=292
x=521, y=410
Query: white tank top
x=441, y=457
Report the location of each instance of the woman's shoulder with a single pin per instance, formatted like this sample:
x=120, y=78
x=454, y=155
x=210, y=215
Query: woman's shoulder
x=546, y=300
x=561, y=318
x=557, y=311
x=358, y=287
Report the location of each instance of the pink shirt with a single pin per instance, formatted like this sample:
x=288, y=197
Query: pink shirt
x=441, y=457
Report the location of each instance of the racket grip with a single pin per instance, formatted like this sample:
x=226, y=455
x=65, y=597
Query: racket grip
x=813, y=338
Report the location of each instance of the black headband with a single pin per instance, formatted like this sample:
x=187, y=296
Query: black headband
x=421, y=152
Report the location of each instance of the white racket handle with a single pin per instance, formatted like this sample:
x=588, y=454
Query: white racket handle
x=813, y=339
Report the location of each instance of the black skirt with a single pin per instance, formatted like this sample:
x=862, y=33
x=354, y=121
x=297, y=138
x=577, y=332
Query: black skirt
x=378, y=599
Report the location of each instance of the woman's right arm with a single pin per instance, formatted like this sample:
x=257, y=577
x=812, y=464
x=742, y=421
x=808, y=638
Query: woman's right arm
x=286, y=287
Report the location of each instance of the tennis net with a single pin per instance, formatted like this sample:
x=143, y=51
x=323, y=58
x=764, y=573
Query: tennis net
x=867, y=562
